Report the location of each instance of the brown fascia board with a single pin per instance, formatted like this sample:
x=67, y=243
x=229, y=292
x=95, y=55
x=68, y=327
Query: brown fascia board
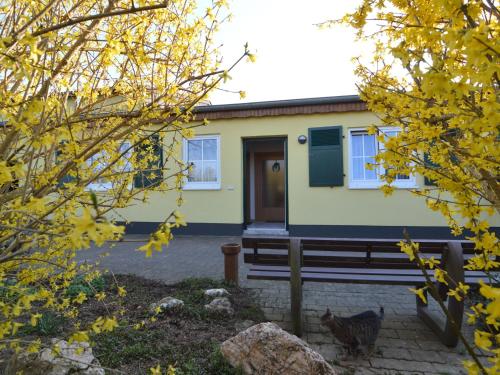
x=329, y=104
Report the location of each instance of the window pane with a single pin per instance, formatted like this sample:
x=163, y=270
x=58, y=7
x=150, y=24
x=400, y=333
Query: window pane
x=357, y=166
x=402, y=177
x=128, y=155
x=357, y=145
x=391, y=133
x=209, y=149
x=370, y=174
x=194, y=150
x=98, y=161
x=369, y=145
x=209, y=171
x=195, y=173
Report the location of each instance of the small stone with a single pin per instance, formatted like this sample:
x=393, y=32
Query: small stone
x=221, y=292
x=74, y=358
x=221, y=305
x=166, y=304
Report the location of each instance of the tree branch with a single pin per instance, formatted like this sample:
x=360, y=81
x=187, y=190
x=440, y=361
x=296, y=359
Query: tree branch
x=99, y=16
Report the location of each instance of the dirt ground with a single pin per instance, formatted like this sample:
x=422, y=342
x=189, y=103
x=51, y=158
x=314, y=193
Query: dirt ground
x=187, y=338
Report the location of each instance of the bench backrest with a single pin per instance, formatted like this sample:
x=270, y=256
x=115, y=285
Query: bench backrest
x=352, y=253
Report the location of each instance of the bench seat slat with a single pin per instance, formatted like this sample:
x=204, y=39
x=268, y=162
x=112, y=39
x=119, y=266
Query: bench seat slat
x=411, y=280
x=359, y=271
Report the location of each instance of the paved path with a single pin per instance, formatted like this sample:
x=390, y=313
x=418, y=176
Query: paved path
x=405, y=345
x=184, y=257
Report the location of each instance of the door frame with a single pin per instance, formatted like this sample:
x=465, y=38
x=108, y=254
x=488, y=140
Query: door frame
x=246, y=201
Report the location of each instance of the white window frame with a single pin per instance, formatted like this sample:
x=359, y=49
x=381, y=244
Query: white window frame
x=200, y=185
x=410, y=183
x=105, y=186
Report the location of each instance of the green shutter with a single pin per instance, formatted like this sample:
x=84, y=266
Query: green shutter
x=66, y=178
x=430, y=165
x=154, y=173
x=325, y=156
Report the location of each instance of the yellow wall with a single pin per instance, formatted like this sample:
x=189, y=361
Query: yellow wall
x=307, y=205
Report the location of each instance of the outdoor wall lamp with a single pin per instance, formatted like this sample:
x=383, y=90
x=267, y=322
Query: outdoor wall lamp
x=302, y=139
x=276, y=167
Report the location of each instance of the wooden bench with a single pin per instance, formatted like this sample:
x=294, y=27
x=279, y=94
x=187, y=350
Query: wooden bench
x=360, y=261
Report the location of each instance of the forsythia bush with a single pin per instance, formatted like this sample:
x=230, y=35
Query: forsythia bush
x=435, y=77
x=88, y=91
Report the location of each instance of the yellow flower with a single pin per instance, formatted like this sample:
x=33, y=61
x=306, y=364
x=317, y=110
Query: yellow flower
x=420, y=292
x=121, y=291
x=155, y=370
x=80, y=336
x=80, y=298
x=482, y=339
x=34, y=319
x=109, y=324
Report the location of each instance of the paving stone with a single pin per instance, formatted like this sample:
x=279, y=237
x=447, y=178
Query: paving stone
x=427, y=356
x=394, y=353
x=435, y=345
x=396, y=343
x=447, y=369
x=318, y=338
x=390, y=333
x=401, y=365
x=408, y=334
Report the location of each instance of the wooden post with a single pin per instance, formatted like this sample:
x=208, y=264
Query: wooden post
x=295, y=285
x=455, y=269
x=454, y=265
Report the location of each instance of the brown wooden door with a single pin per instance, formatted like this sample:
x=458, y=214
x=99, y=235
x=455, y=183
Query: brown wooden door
x=270, y=186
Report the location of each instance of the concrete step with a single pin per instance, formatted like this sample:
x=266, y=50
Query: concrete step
x=265, y=232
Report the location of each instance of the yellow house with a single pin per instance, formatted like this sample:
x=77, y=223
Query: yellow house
x=290, y=167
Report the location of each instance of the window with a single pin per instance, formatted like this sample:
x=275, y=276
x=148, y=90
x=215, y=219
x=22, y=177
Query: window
x=363, y=148
x=203, y=153
x=100, y=160
x=153, y=174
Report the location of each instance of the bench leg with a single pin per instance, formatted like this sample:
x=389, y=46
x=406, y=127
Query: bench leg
x=295, y=286
x=454, y=267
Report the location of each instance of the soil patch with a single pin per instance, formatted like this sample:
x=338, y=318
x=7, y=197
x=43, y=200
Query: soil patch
x=187, y=339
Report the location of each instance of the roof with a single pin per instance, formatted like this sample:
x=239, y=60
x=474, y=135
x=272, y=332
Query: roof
x=327, y=104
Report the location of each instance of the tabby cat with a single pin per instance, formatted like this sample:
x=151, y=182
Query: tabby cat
x=360, y=329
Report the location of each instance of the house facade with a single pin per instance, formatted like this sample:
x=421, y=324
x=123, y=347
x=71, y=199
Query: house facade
x=290, y=167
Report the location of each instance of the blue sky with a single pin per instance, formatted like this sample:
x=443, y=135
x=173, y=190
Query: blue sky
x=295, y=59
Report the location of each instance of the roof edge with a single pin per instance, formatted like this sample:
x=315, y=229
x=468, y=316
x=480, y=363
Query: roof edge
x=325, y=100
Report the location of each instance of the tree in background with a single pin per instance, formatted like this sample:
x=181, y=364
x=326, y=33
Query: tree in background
x=89, y=92
x=435, y=76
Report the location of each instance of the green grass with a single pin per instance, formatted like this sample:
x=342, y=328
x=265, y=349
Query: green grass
x=126, y=346
x=80, y=285
x=49, y=324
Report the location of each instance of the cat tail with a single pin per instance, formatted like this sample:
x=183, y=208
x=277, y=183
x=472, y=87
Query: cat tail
x=381, y=313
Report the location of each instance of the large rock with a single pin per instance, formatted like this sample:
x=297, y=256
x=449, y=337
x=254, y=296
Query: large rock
x=75, y=358
x=266, y=349
x=221, y=305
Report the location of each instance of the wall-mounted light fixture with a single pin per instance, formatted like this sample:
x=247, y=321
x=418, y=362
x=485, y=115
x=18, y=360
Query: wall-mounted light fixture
x=302, y=139
x=276, y=167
